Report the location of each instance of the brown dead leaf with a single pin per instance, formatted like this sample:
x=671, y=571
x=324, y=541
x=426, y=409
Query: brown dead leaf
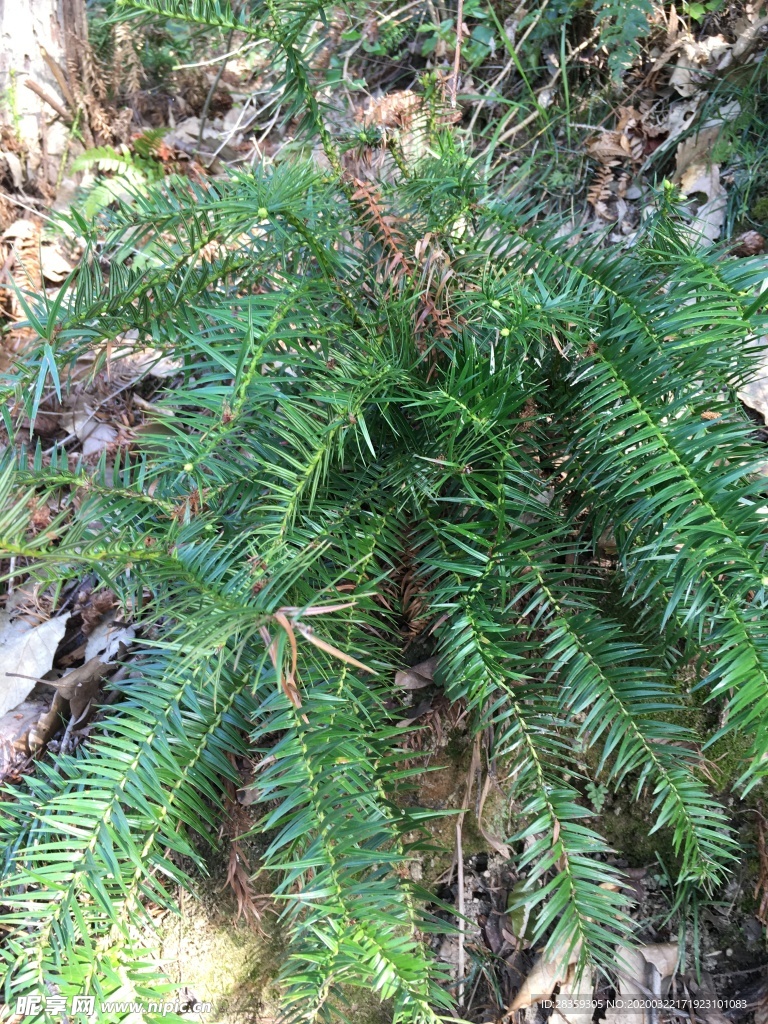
x=493, y=842
x=81, y=685
x=608, y=146
x=695, y=150
x=761, y=886
x=43, y=730
x=749, y=243
x=309, y=634
x=701, y=177
x=755, y=392
x=239, y=881
x=574, y=999
x=415, y=714
x=418, y=677
x=633, y=968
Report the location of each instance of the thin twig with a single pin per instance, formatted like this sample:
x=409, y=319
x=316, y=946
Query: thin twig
x=460, y=882
x=511, y=132
x=457, y=54
x=224, y=56
x=6, y=268
x=60, y=77
x=47, y=98
x=30, y=209
x=238, y=127
x=211, y=91
x=512, y=62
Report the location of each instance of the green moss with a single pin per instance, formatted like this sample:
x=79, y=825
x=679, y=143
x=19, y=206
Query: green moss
x=626, y=825
x=760, y=209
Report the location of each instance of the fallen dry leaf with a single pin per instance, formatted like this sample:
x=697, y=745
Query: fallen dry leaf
x=543, y=978
x=14, y=167
x=14, y=729
x=749, y=243
x=415, y=714
x=81, y=685
x=93, y=434
x=575, y=994
x=149, y=361
x=633, y=966
x=701, y=177
x=25, y=658
x=755, y=392
x=54, y=266
x=21, y=229
x=106, y=639
x=418, y=677
x=707, y=224
x=694, y=58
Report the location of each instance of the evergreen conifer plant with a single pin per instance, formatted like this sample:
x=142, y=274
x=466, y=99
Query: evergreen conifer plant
x=407, y=372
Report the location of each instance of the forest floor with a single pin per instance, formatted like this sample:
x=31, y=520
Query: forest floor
x=541, y=111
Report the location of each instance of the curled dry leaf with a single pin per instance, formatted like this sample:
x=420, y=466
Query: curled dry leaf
x=635, y=981
x=14, y=168
x=107, y=638
x=704, y=179
x=632, y=966
x=21, y=229
x=544, y=977
x=81, y=685
x=694, y=57
x=418, y=677
x=749, y=243
x=25, y=658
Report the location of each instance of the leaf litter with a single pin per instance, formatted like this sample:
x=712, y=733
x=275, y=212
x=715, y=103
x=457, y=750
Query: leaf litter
x=34, y=660
x=92, y=416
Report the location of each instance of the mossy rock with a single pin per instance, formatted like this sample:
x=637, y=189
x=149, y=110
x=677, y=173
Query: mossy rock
x=224, y=961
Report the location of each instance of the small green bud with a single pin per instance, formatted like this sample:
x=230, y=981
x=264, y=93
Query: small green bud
x=504, y=332
x=496, y=304
x=262, y=213
x=188, y=467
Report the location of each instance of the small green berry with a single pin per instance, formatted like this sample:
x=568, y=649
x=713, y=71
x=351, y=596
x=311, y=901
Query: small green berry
x=504, y=332
x=188, y=467
x=262, y=213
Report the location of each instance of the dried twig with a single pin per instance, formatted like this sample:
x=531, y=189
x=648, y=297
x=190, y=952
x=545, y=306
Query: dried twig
x=457, y=54
x=47, y=98
x=61, y=78
x=211, y=91
x=460, y=883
